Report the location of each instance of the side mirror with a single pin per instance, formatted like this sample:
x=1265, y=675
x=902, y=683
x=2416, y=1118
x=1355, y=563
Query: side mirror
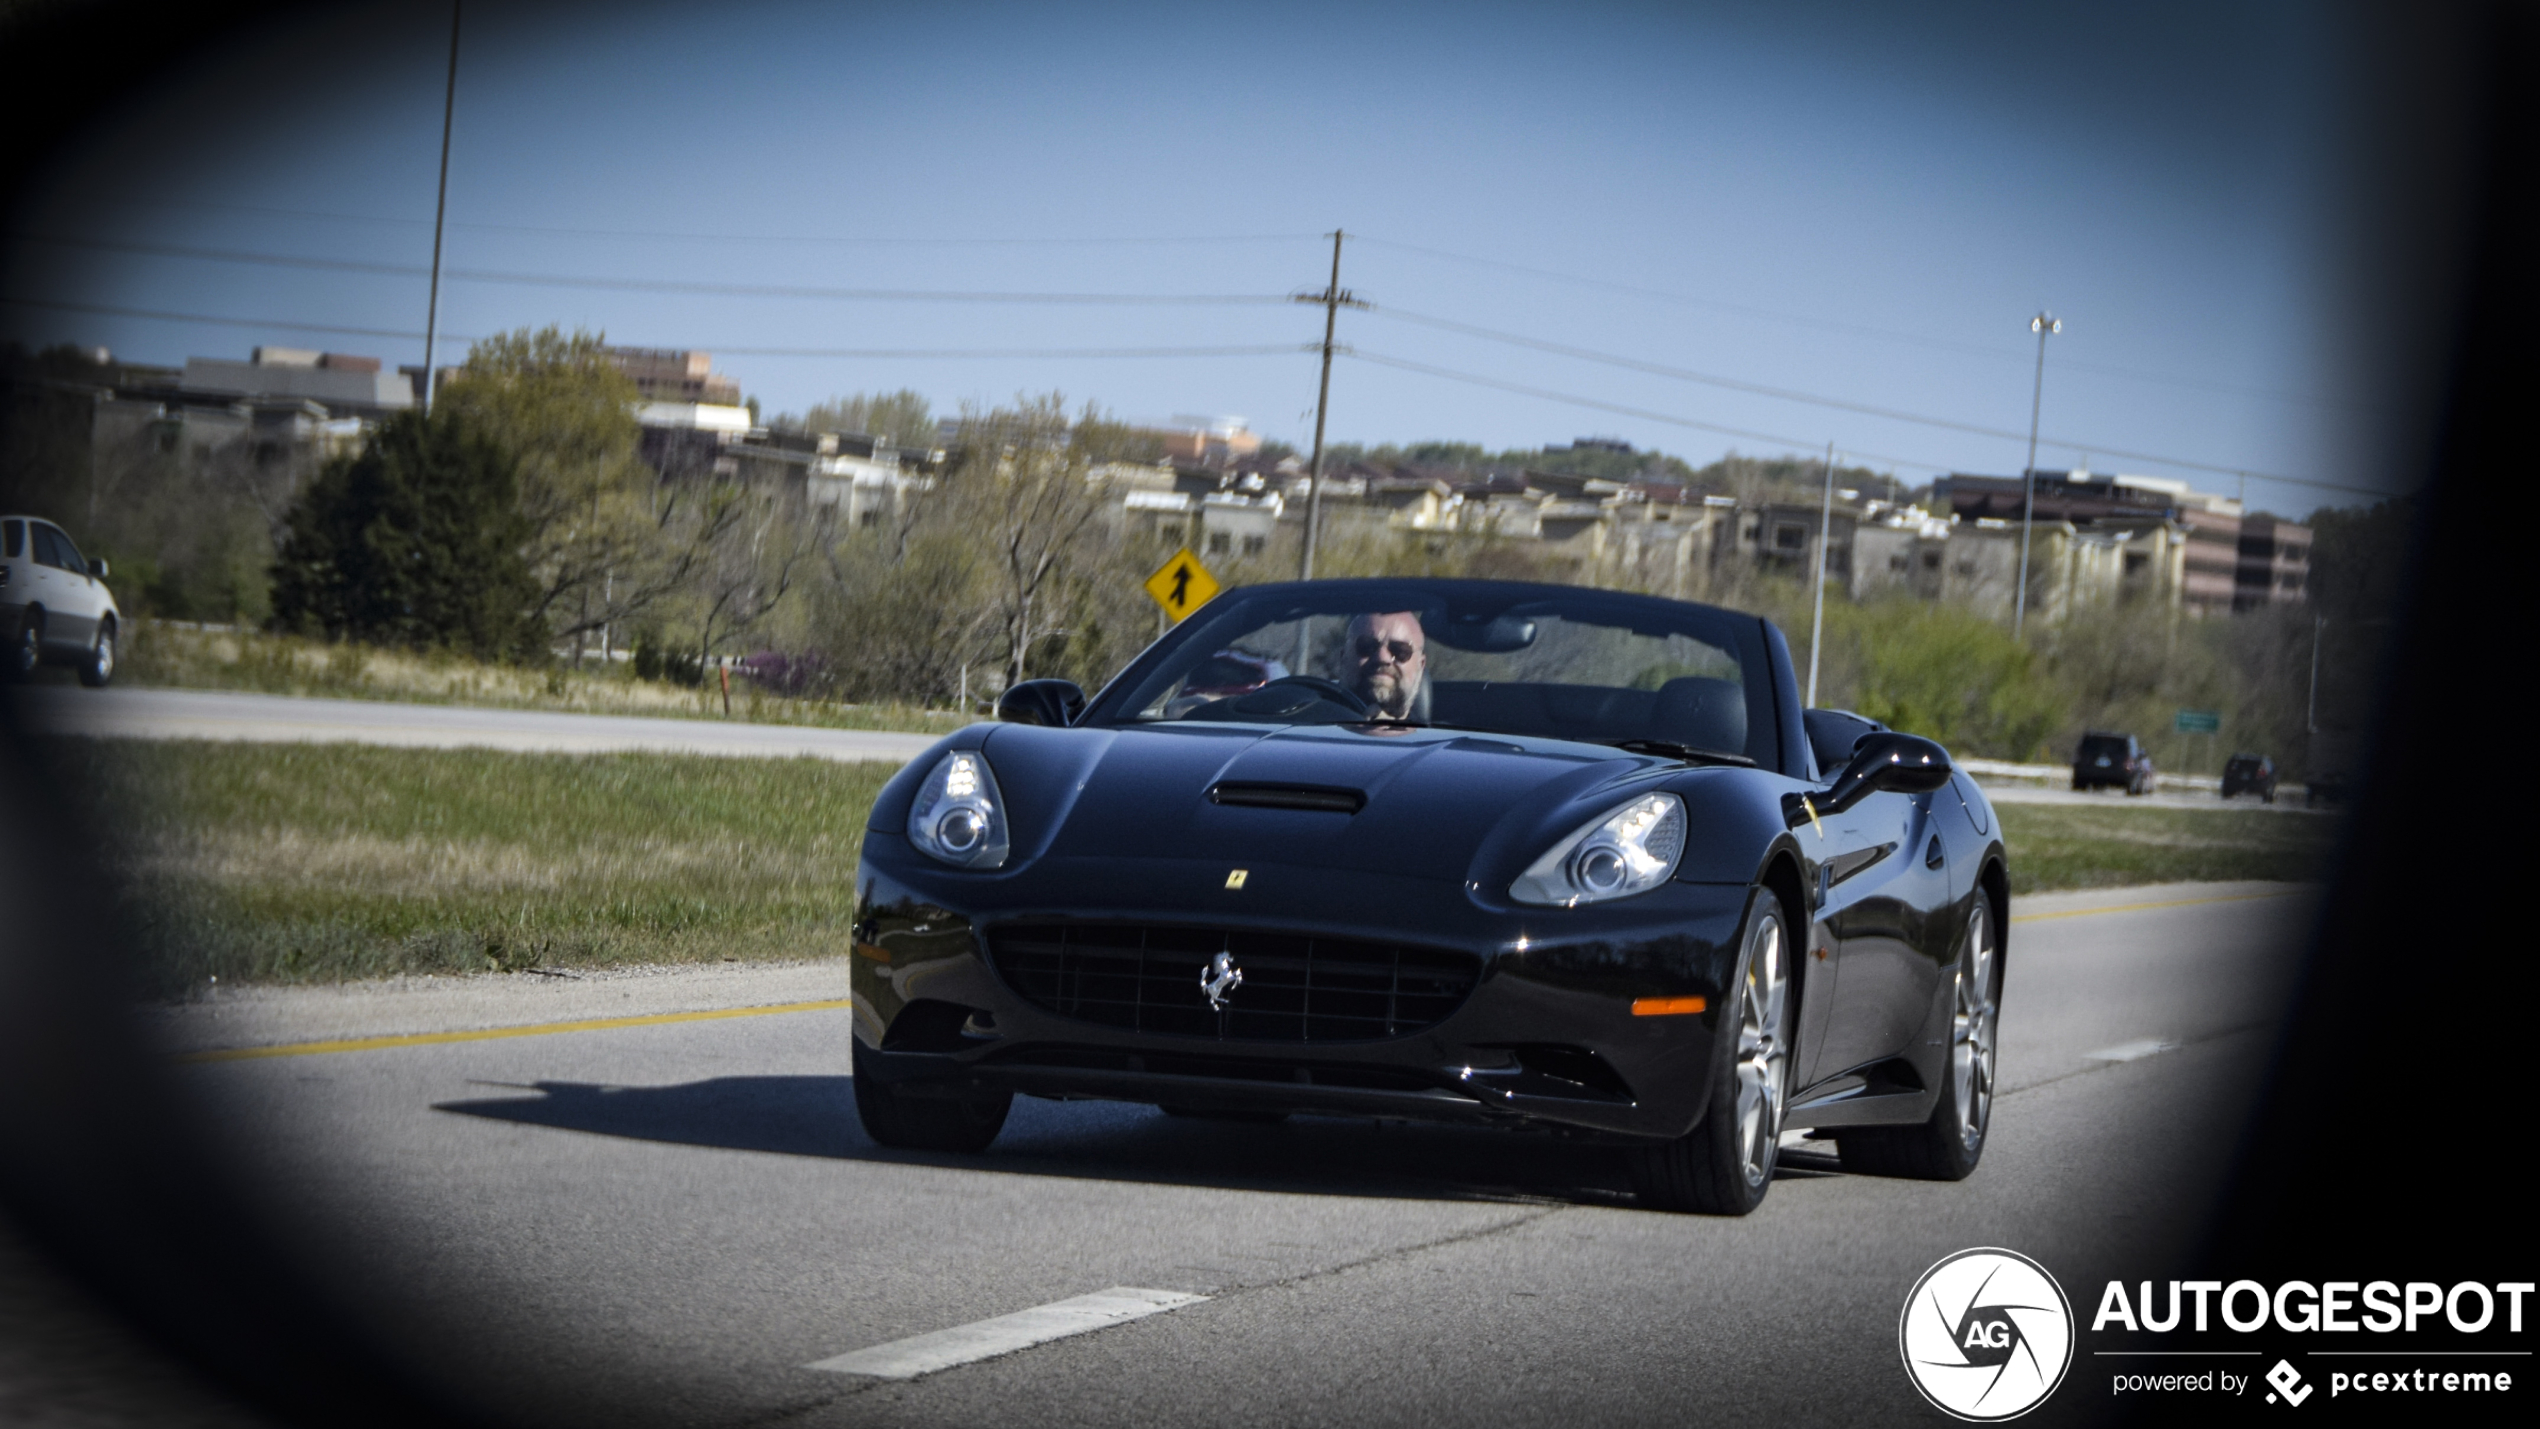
x=97, y=569
x=1056, y=703
x=1884, y=762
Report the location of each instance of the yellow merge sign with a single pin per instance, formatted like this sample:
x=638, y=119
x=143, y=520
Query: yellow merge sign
x=1182, y=585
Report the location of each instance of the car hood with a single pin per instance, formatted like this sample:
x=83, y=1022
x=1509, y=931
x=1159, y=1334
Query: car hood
x=1437, y=801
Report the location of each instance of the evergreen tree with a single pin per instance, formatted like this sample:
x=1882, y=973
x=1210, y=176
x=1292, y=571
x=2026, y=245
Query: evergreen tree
x=414, y=541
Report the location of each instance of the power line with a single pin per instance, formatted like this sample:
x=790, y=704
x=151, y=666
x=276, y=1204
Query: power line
x=1840, y=404
x=842, y=240
x=1153, y=300
x=1267, y=350
x=1776, y=439
x=105, y=310
x=1687, y=375
x=660, y=285
x=1855, y=329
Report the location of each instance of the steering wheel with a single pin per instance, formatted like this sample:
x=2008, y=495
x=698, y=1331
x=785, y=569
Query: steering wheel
x=1261, y=701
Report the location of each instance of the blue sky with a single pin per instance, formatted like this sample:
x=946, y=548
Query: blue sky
x=1862, y=204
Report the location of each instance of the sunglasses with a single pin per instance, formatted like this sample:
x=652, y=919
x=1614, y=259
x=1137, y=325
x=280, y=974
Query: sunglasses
x=1367, y=648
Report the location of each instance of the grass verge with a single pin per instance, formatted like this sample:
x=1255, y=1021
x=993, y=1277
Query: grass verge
x=182, y=657
x=2063, y=846
x=320, y=863
x=328, y=862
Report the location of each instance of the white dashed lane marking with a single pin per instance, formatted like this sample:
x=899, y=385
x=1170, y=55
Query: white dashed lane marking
x=2129, y=1051
x=986, y=1339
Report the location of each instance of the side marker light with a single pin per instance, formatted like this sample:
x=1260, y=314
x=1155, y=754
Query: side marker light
x=1668, y=1006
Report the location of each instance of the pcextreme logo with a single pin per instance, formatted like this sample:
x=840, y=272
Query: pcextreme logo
x=1986, y=1334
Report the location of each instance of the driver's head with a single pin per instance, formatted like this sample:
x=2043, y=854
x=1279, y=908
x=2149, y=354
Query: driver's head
x=1387, y=656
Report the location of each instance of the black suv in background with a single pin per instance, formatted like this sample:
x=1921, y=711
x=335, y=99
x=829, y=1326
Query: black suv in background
x=2106, y=759
x=2249, y=774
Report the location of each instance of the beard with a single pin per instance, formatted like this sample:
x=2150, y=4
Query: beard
x=1389, y=692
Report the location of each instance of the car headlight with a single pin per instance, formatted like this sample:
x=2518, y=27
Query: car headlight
x=1630, y=850
x=959, y=814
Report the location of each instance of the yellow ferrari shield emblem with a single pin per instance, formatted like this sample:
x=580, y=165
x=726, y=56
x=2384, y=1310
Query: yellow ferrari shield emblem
x=1182, y=585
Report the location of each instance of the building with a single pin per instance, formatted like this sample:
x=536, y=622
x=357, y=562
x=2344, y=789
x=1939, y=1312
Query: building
x=674, y=375
x=2181, y=546
x=345, y=385
x=2275, y=563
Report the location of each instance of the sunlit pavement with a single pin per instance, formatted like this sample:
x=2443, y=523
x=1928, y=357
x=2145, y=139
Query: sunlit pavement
x=668, y=1222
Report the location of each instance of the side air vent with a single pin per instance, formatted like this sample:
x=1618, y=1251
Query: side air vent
x=1318, y=798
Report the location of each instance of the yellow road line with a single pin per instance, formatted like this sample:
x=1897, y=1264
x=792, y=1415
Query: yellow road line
x=2139, y=907
x=426, y=1039
x=598, y=1024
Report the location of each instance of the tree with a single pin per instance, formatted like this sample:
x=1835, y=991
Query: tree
x=415, y=541
x=1020, y=477
x=597, y=532
x=902, y=416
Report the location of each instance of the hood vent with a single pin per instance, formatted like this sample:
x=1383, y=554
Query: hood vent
x=1318, y=798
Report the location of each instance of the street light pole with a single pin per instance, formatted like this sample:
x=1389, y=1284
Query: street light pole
x=2311, y=714
x=1825, y=537
x=2042, y=325
x=440, y=207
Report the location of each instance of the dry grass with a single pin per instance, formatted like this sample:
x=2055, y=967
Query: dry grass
x=185, y=657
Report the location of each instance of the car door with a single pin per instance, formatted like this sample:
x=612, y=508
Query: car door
x=1886, y=889
x=70, y=596
x=17, y=574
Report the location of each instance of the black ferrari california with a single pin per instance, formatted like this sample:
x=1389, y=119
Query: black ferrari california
x=1463, y=851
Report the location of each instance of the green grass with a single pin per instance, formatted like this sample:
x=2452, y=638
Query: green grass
x=2064, y=846
x=315, y=863
x=320, y=863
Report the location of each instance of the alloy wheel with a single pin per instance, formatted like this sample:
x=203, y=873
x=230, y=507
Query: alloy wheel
x=1763, y=1053
x=1973, y=1026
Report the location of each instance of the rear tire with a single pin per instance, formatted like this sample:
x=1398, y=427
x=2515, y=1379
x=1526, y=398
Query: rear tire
x=99, y=667
x=895, y=1119
x=1947, y=1146
x=1724, y=1165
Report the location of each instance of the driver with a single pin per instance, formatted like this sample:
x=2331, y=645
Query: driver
x=1386, y=660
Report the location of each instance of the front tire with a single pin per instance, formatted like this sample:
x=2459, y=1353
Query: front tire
x=99, y=667
x=1947, y=1146
x=27, y=651
x=895, y=1119
x=1724, y=1165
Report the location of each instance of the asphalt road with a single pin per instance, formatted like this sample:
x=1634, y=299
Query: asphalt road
x=210, y=714
x=667, y=1222
x=215, y=714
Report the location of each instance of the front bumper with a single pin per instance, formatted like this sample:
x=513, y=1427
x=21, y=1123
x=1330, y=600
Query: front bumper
x=1546, y=1035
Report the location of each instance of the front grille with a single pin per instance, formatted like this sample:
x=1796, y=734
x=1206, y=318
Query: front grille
x=1296, y=988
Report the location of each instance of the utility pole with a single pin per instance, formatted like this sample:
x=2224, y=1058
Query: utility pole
x=440, y=208
x=1825, y=538
x=2042, y=325
x=1333, y=298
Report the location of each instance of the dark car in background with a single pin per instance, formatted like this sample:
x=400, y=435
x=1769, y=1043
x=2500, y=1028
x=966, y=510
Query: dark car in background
x=1596, y=874
x=2249, y=774
x=2109, y=760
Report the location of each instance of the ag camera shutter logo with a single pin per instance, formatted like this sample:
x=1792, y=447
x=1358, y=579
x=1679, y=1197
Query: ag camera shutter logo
x=1986, y=1334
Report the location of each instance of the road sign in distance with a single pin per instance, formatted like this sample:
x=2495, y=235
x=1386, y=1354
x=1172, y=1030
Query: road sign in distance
x=2199, y=721
x=1182, y=585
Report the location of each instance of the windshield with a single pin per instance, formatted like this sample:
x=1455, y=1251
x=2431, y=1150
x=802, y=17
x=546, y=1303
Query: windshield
x=1582, y=665
x=2103, y=746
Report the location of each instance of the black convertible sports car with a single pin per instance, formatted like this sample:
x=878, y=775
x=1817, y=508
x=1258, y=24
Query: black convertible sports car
x=1465, y=851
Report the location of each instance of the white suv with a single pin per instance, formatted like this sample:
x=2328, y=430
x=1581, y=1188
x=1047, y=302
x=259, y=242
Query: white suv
x=54, y=605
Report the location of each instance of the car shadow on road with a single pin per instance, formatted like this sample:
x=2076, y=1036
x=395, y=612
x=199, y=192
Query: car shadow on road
x=815, y=1116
